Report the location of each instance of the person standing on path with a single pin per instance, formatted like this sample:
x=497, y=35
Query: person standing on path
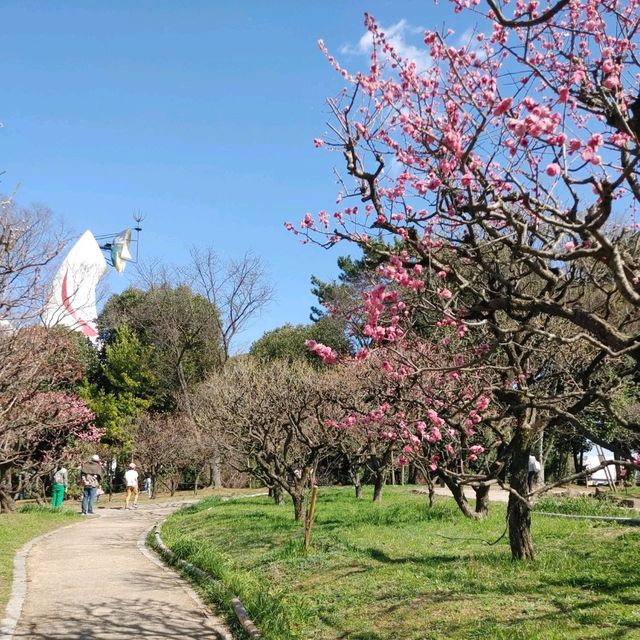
x=534, y=470
x=91, y=473
x=60, y=483
x=148, y=486
x=131, y=478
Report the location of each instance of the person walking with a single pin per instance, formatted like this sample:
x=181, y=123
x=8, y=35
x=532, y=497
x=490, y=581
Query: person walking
x=91, y=473
x=131, y=479
x=534, y=470
x=60, y=483
x=148, y=486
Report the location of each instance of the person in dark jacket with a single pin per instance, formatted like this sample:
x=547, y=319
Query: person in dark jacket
x=91, y=474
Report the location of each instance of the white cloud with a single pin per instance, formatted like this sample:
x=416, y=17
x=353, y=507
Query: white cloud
x=396, y=35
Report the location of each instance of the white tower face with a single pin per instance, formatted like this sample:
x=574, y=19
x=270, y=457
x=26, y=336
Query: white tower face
x=73, y=298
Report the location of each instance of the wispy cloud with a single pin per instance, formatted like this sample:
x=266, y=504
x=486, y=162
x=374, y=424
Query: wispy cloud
x=468, y=40
x=397, y=35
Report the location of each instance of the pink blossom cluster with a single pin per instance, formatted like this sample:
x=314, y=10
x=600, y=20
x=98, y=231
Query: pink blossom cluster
x=516, y=115
x=378, y=303
x=328, y=355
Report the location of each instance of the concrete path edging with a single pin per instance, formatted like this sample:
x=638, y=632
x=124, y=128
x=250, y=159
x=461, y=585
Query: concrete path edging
x=96, y=580
x=206, y=613
x=241, y=613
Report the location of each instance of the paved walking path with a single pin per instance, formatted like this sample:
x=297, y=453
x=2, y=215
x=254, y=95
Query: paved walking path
x=496, y=494
x=92, y=581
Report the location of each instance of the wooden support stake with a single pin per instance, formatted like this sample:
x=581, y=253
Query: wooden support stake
x=310, y=517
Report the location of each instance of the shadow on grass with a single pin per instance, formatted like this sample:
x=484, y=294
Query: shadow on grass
x=381, y=556
x=525, y=624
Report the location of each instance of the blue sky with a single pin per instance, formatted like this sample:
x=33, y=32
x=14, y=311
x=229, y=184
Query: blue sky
x=199, y=114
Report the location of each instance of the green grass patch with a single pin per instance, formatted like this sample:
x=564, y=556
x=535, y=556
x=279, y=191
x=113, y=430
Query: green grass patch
x=18, y=528
x=402, y=570
x=584, y=506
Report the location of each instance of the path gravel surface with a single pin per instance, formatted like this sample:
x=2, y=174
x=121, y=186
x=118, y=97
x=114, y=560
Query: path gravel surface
x=95, y=580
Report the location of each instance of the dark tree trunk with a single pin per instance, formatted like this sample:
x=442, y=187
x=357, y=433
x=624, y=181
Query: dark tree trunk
x=432, y=491
x=482, y=499
x=577, y=463
x=153, y=485
x=7, y=503
x=518, y=510
x=356, y=479
x=214, y=466
x=277, y=495
x=380, y=478
x=458, y=495
x=195, y=484
x=298, y=506
x=413, y=474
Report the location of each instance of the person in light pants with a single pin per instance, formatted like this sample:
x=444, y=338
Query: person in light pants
x=131, y=478
x=148, y=486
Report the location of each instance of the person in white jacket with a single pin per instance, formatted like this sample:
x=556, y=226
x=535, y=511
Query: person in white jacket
x=534, y=470
x=131, y=479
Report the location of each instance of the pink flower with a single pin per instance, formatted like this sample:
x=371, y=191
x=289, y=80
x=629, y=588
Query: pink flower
x=437, y=421
x=328, y=355
x=445, y=294
x=476, y=449
x=574, y=145
x=570, y=246
x=318, y=142
x=554, y=169
x=503, y=106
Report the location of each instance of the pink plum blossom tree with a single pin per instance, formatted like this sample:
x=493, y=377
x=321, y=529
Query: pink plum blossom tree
x=507, y=174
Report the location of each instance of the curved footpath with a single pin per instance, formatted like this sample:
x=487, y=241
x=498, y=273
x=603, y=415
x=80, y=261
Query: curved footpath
x=95, y=579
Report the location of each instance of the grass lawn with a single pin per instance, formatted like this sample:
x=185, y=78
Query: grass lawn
x=402, y=571
x=18, y=528
x=118, y=498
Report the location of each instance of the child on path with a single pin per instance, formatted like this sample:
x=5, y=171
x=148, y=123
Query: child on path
x=131, y=478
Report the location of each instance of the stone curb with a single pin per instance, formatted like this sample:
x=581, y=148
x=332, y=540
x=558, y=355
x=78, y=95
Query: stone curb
x=222, y=632
x=241, y=613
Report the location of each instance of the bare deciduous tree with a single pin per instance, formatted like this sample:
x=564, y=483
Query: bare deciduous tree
x=271, y=420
